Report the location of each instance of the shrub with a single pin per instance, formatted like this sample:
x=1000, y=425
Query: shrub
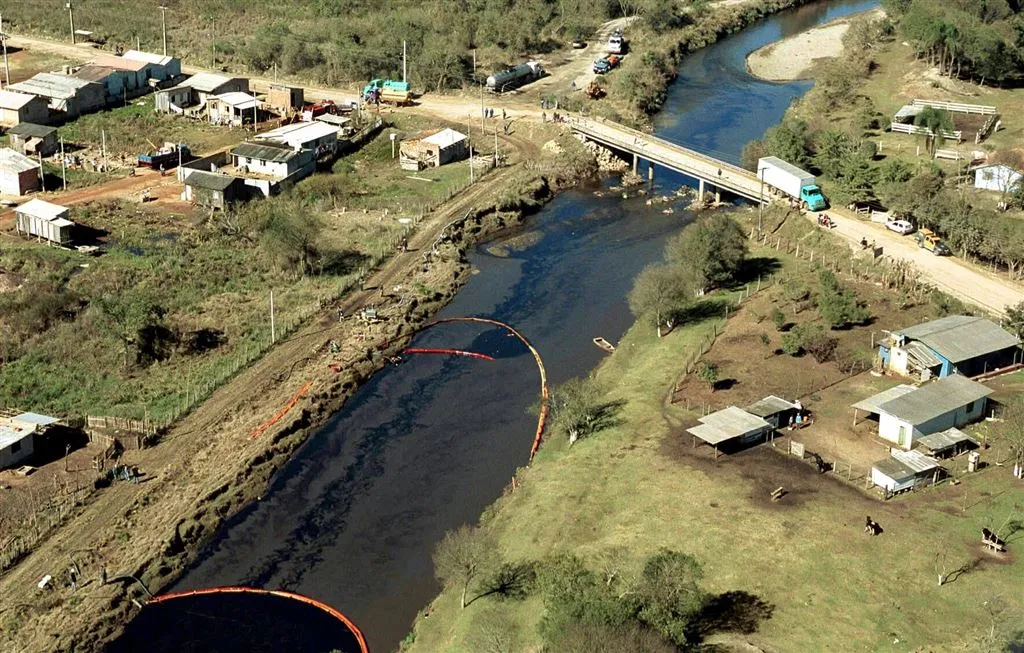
x=778, y=319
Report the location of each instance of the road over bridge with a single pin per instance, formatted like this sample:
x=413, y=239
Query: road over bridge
x=707, y=170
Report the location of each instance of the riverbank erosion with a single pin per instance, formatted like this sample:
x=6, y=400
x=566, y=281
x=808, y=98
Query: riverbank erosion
x=220, y=457
x=794, y=57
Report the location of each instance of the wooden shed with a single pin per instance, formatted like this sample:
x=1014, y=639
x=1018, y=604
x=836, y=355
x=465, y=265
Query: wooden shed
x=730, y=427
x=19, y=175
x=285, y=99
x=904, y=470
x=31, y=139
x=213, y=190
x=433, y=149
x=16, y=108
x=45, y=221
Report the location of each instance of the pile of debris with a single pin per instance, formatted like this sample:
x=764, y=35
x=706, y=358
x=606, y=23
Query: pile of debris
x=606, y=159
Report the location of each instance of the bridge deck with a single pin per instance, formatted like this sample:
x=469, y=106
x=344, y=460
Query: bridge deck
x=722, y=175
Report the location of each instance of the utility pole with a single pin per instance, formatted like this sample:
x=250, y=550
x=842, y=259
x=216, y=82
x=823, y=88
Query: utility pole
x=483, y=129
x=405, y=67
x=255, y=119
x=71, y=16
x=63, y=164
x=163, y=25
x=7, y=65
x=273, y=330
x=495, y=147
x=103, y=137
x=474, y=62
x=471, y=164
x=42, y=171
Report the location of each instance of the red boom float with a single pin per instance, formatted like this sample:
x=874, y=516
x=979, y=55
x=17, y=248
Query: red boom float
x=454, y=352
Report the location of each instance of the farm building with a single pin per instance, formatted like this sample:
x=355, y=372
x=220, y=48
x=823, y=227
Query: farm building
x=44, y=221
x=948, y=443
x=776, y=411
x=997, y=177
x=433, y=149
x=16, y=108
x=213, y=190
x=70, y=95
x=285, y=99
x=17, y=437
x=320, y=137
x=730, y=426
x=19, y=175
x=113, y=81
x=32, y=139
x=904, y=470
x=196, y=90
x=906, y=413
x=957, y=344
x=234, y=108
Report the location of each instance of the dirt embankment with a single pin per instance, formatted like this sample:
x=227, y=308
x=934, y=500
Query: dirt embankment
x=209, y=465
x=794, y=57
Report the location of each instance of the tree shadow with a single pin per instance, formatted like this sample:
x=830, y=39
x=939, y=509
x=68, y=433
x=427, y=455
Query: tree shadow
x=606, y=416
x=512, y=580
x=735, y=611
x=340, y=263
x=698, y=312
x=756, y=267
x=963, y=570
x=726, y=384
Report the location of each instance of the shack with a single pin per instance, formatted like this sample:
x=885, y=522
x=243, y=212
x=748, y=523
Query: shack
x=948, y=443
x=957, y=344
x=18, y=437
x=45, y=221
x=906, y=413
x=32, y=139
x=112, y=80
x=64, y=93
x=234, y=108
x=729, y=427
x=285, y=99
x=16, y=108
x=320, y=137
x=433, y=149
x=196, y=91
x=776, y=411
x=19, y=175
x=904, y=470
x=213, y=190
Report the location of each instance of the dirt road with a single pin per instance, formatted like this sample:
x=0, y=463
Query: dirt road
x=966, y=282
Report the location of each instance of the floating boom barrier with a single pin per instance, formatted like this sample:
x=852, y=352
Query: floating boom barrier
x=453, y=352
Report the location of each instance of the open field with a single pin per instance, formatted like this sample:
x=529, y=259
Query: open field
x=620, y=495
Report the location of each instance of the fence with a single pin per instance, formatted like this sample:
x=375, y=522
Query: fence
x=956, y=106
x=903, y=128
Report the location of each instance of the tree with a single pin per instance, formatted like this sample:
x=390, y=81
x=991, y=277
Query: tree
x=658, y=293
x=1015, y=319
x=792, y=343
x=817, y=343
x=462, y=556
x=1013, y=428
x=291, y=232
x=711, y=250
x=670, y=594
x=574, y=407
x=789, y=140
x=127, y=315
x=708, y=373
x=778, y=319
x=937, y=122
x=839, y=307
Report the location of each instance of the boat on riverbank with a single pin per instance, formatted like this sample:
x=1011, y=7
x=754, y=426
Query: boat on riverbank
x=604, y=345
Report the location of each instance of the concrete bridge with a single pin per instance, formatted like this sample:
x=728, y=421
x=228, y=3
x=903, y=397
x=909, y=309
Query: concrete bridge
x=705, y=169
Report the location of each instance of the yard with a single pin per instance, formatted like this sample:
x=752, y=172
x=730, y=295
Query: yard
x=623, y=493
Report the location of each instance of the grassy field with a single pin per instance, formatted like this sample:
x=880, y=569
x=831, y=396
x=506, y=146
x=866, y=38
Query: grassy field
x=624, y=493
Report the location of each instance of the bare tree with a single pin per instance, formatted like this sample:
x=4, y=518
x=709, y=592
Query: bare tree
x=1013, y=429
x=574, y=407
x=462, y=556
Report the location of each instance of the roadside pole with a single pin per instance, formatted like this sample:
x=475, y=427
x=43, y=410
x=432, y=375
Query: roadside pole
x=7, y=65
x=71, y=17
x=273, y=330
x=63, y=164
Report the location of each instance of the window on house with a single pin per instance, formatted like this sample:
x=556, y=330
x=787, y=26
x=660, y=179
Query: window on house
x=969, y=407
x=16, y=447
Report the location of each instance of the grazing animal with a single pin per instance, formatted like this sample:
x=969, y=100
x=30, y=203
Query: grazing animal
x=871, y=527
x=992, y=539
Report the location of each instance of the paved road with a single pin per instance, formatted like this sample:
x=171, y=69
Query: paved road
x=967, y=282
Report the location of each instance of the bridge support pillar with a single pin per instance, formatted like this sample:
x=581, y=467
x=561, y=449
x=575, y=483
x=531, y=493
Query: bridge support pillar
x=718, y=195
x=700, y=190
x=650, y=172
x=636, y=161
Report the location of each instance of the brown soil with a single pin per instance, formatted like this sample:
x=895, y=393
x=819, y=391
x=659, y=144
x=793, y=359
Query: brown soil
x=208, y=466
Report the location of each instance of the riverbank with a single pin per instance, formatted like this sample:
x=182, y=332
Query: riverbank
x=211, y=464
x=794, y=57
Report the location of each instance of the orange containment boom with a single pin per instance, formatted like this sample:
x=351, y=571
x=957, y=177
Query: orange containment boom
x=454, y=352
x=281, y=413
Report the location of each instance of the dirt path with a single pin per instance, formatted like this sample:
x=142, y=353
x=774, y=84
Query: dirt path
x=951, y=274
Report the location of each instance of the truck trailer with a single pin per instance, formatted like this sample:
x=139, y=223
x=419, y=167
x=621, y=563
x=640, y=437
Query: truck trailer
x=515, y=77
x=387, y=91
x=791, y=180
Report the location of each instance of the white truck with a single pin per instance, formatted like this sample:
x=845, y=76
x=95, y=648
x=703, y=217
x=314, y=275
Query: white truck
x=791, y=180
x=616, y=43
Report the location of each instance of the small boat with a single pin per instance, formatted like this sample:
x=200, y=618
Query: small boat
x=604, y=344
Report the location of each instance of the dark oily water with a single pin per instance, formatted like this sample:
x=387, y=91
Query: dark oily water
x=425, y=446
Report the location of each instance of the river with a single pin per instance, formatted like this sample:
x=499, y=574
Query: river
x=425, y=446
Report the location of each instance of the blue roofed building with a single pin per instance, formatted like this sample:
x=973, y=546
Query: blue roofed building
x=957, y=344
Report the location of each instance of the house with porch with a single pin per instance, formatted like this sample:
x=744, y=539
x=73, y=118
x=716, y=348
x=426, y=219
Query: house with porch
x=957, y=344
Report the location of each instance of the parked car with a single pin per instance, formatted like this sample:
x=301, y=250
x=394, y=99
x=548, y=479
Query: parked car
x=900, y=226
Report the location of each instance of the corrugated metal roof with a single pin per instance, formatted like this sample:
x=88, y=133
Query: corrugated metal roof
x=937, y=398
x=206, y=82
x=915, y=460
x=94, y=73
x=770, y=405
x=15, y=161
x=239, y=100
x=209, y=180
x=961, y=337
x=38, y=208
x=265, y=151
x=945, y=439
x=35, y=418
x=299, y=132
x=921, y=354
x=53, y=85
x=14, y=100
x=872, y=403
x=445, y=138
x=148, y=57
x=9, y=435
x=727, y=424
x=120, y=63
x=31, y=129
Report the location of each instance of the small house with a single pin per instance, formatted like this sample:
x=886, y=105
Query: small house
x=729, y=427
x=157, y=67
x=45, y=221
x=776, y=411
x=174, y=100
x=946, y=444
x=19, y=175
x=112, y=80
x=64, y=93
x=997, y=177
x=270, y=166
x=213, y=190
x=320, y=137
x=18, y=435
x=957, y=344
x=16, y=108
x=234, y=108
x=32, y=139
x=285, y=99
x=903, y=470
x=906, y=413
x=196, y=91
x=433, y=149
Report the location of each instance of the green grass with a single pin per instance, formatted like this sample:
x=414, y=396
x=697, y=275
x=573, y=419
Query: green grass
x=623, y=490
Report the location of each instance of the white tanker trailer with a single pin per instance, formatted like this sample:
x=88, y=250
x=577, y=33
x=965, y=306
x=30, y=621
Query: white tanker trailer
x=511, y=78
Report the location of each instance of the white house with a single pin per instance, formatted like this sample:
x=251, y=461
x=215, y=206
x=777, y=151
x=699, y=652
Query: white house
x=233, y=108
x=903, y=470
x=318, y=136
x=44, y=220
x=997, y=177
x=906, y=413
x=271, y=165
x=17, y=437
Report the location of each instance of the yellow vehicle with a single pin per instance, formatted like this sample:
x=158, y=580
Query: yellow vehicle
x=930, y=241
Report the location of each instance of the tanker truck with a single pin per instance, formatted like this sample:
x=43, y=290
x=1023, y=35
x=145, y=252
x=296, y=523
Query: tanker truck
x=515, y=77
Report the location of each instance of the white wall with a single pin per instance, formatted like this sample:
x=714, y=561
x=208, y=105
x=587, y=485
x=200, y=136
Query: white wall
x=889, y=426
x=997, y=178
x=889, y=429
x=9, y=458
x=893, y=485
x=898, y=360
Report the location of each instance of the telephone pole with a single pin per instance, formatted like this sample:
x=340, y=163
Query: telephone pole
x=273, y=331
x=7, y=65
x=405, y=67
x=71, y=17
x=163, y=25
x=63, y=164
